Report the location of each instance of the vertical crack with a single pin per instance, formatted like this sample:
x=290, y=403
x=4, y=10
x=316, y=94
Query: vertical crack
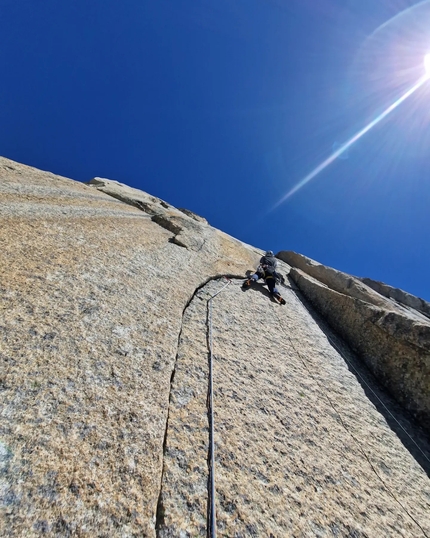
x=160, y=509
x=160, y=512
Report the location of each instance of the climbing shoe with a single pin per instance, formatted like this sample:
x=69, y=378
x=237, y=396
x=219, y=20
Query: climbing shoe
x=279, y=298
x=247, y=284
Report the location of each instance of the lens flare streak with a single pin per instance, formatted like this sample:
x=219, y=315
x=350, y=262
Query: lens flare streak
x=351, y=141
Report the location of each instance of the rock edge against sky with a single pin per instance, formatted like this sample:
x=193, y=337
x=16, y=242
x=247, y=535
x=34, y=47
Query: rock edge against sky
x=104, y=374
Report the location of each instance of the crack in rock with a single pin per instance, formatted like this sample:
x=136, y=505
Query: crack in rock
x=278, y=442
x=182, y=396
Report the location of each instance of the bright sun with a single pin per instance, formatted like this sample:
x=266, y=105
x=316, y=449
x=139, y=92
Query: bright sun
x=427, y=63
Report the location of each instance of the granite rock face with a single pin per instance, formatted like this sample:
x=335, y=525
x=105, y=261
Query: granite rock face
x=92, y=292
x=104, y=383
x=300, y=448
x=388, y=328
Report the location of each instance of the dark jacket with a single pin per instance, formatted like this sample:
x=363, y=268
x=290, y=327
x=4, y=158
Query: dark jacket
x=269, y=262
x=267, y=269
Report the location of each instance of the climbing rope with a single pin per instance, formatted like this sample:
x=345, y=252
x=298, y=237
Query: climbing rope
x=211, y=519
x=212, y=509
x=356, y=441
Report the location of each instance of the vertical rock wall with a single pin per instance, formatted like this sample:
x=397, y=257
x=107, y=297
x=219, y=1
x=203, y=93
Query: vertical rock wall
x=92, y=294
x=300, y=448
x=103, y=384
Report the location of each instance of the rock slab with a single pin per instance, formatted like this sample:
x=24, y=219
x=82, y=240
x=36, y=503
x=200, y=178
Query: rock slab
x=103, y=383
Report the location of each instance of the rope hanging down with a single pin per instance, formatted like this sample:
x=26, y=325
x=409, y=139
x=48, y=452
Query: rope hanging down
x=212, y=510
x=211, y=520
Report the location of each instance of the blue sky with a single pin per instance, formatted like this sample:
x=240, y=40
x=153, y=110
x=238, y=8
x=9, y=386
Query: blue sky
x=222, y=106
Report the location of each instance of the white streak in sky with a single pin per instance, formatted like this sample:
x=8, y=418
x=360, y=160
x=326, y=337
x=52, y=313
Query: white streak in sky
x=350, y=142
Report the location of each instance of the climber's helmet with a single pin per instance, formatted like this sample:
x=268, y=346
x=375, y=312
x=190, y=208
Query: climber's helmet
x=269, y=253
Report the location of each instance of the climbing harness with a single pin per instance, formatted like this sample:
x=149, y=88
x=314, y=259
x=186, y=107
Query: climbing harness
x=212, y=510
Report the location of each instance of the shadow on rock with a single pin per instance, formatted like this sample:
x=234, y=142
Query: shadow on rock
x=413, y=437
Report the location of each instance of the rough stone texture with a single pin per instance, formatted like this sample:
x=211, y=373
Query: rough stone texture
x=300, y=449
x=103, y=384
x=349, y=285
x=389, y=335
x=194, y=216
x=187, y=233
x=135, y=197
x=92, y=299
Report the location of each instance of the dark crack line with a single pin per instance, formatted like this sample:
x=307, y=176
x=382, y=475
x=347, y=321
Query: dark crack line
x=202, y=245
x=210, y=516
x=160, y=510
x=127, y=201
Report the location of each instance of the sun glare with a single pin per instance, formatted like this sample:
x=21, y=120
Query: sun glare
x=381, y=73
x=354, y=139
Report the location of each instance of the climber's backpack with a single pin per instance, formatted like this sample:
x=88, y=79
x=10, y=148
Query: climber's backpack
x=268, y=261
x=269, y=270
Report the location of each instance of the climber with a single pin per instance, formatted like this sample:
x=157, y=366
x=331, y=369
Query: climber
x=267, y=270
